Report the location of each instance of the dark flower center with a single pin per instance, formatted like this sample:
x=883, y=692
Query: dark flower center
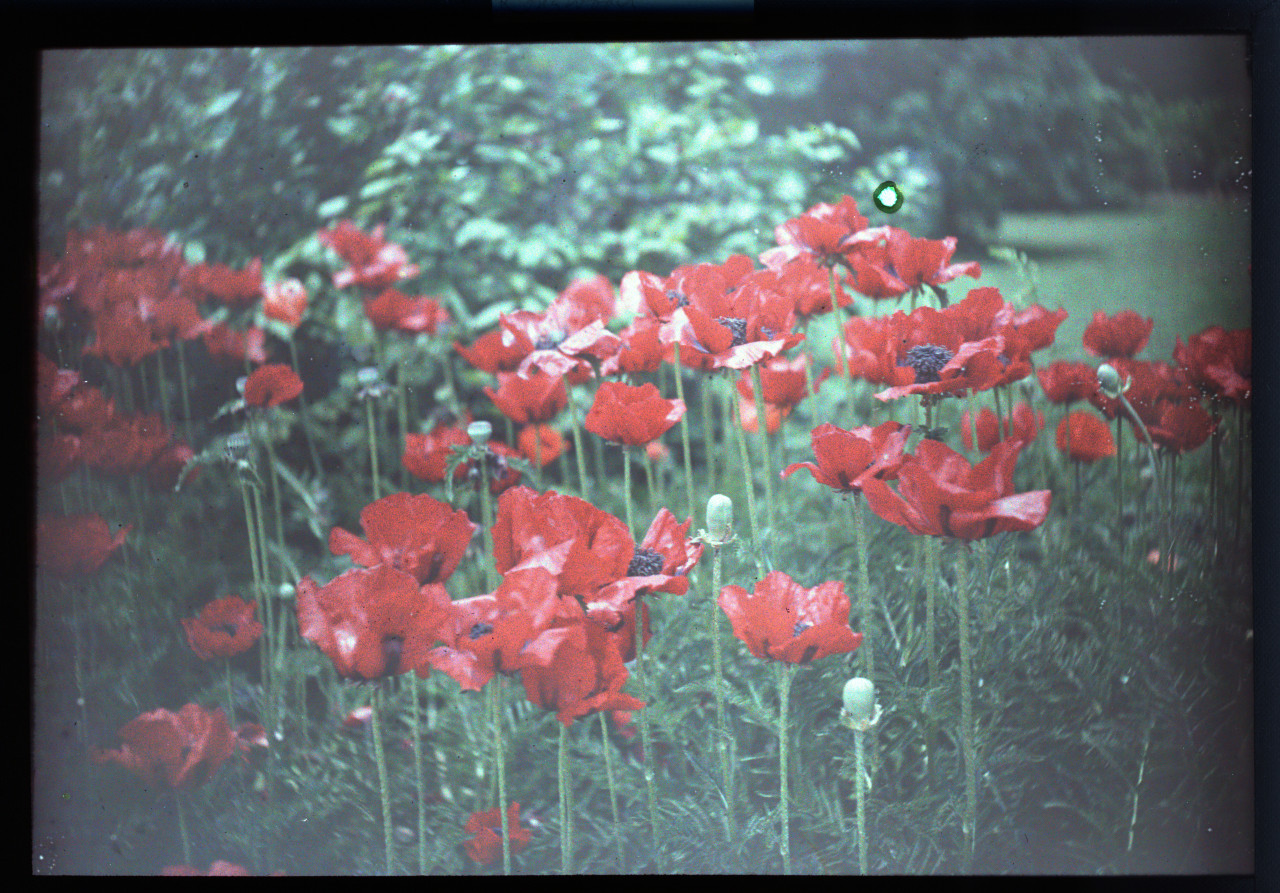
x=680, y=299
x=801, y=627
x=495, y=467
x=228, y=628
x=927, y=360
x=645, y=563
x=392, y=649
x=546, y=342
x=480, y=629
x=737, y=326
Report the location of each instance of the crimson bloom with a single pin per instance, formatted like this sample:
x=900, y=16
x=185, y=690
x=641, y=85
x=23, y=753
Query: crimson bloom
x=373, y=622
x=541, y=442
x=123, y=336
x=782, y=620
x=124, y=445
x=537, y=398
x=1066, y=382
x=179, y=750
x=224, y=343
x=920, y=262
x=395, y=310
x=824, y=231
x=1219, y=362
x=426, y=456
x=372, y=261
x=847, y=458
x=271, y=385
x=660, y=563
x=1182, y=426
x=76, y=544
x=1122, y=335
x=519, y=625
x=485, y=847
x=225, y=627
x=735, y=329
x=1085, y=438
x=285, y=301
x=585, y=676
x=416, y=534
x=631, y=416
x=233, y=287
x=940, y=494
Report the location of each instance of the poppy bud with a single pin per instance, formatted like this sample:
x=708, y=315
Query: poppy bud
x=1109, y=380
x=719, y=519
x=861, y=711
x=240, y=384
x=237, y=447
x=479, y=432
x=367, y=377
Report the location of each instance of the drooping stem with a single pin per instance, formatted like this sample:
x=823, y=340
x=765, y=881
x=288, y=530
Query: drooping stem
x=607, y=746
x=785, y=673
x=380, y=755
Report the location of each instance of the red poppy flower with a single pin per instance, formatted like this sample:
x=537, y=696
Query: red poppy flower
x=285, y=301
x=373, y=622
x=1146, y=385
x=782, y=380
x=497, y=351
x=807, y=281
x=426, y=456
x=56, y=456
x=1029, y=330
x=782, y=620
x=1218, y=362
x=1023, y=426
x=870, y=275
x=570, y=332
x=648, y=295
x=226, y=627
x=537, y=398
x=224, y=343
x=1122, y=335
x=76, y=544
x=123, y=337
x=1181, y=427
x=232, y=287
x=631, y=416
x=1066, y=382
x=415, y=534
x=940, y=494
x=85, y=408
x=167, y=467
x=179, y=750
x=645, y=347
x=920, y=262
x=660, y=563
x=847, y=458
x=583, y=546
x=372, y=261
x=974, y=366
x=177, y=316
x=552, y=443
x=519, y=625
x=773, y=416
x=124, y=445
x=485, y=847
x=737, y=329
x=584, y=676
x=1085, y=438
x=395, y=310
x=271, y=385
x=53, y=385
x=823, y=231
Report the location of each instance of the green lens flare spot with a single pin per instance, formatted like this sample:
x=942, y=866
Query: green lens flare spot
x=888, y=197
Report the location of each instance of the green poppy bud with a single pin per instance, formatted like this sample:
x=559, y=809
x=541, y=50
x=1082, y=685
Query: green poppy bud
x=719, y=519
x=480, y=432
x=1109, y=380
x=367, y=377
x=861, y=711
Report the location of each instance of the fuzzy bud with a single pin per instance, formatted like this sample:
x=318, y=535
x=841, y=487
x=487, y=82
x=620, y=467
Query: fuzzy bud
x=479, y=432
x=861, y=711
x=1109, y=380
x=719, y=519
x=368, y=376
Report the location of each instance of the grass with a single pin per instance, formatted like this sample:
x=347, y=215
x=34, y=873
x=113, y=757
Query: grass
x=1095, y=681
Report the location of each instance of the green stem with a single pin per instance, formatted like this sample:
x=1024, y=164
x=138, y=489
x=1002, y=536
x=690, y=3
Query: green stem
x=306, y=418
x=613, y=789
x=931, y=597
x=866, y=611
x=162, y=391
x=626, y=488
x=722, y=735
x=966, y=706
x=486, y=510
x=566, y=804
x=645, y=738
x=231, y=695
x=182, y=826
x=748, y=483
x=373, y=447
x=861, y=788
x=762, y=428
x=577, y=448
x=709, y=435
x=684, y=429
x=785, y=673
x=415, y=726
x=384, y=790
x=402, y=422
x=498, y=757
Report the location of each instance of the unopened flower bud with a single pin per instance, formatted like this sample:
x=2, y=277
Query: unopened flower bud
x=480, y=432
x=368, y=376
x=1109, y=380
x=236, y=447
x=861, y=711
x=719, y=519
x=240, y=383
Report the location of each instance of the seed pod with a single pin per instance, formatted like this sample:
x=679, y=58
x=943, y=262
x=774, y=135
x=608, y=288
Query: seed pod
x=861, y=711
x=1109, y=380
x=480, y=432
x=719, y=519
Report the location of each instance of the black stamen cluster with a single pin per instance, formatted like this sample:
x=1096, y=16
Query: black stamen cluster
x=679, y=297
x=645, y=563
x=480, y=629
x=737, y=326
x=927, y=360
